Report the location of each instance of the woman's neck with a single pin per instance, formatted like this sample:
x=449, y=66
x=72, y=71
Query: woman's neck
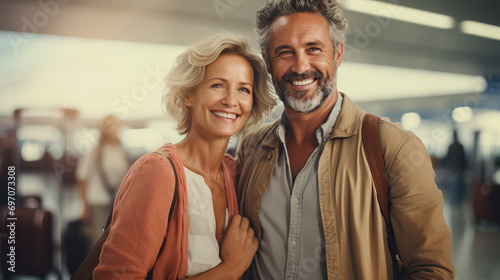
x=201, y=155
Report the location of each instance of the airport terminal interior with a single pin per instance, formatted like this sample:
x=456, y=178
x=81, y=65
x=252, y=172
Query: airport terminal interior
x=433, y=66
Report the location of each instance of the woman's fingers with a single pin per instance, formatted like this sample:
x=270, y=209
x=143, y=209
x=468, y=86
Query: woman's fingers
x=235, y=221
x=239, y=244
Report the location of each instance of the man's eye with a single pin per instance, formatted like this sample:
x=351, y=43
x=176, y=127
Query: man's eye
x=315, y=50
x=287, y=53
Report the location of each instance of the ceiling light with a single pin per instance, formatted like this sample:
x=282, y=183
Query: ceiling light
x=411, y=120
x=480, y=29
x=399, y=12
x=462, y=114
x=381, y=82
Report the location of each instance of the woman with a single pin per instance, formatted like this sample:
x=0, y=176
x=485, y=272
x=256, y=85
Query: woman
x=99, y=175
x=216, y=89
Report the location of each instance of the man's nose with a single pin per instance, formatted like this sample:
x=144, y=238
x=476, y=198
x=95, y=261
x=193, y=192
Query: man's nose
x=300, y=63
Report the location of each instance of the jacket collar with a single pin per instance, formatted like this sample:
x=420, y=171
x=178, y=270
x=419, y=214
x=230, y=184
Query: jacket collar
x=348, y=120
x=271, y=140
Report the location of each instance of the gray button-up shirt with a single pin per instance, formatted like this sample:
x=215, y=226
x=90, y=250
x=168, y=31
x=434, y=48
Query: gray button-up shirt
x=292, y=244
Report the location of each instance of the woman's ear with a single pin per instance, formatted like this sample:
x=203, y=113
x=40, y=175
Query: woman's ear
x=187, y=100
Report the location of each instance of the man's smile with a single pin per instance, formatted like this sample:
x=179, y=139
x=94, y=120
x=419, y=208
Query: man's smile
x=303, y=82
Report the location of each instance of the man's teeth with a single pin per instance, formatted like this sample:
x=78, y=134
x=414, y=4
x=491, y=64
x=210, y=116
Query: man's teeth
x=224, y=115
x=303, y=82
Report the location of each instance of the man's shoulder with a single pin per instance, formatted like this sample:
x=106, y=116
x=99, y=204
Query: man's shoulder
x=387, y=128
x=264, y=132
x=393, y=138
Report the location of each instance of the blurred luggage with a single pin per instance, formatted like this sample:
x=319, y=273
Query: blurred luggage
x=486, y=190
x=26, y=241
x=76, y=245
x=486, y=202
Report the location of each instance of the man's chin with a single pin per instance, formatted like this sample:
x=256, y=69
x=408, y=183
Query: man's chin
x=302, y=94
x=303, y=105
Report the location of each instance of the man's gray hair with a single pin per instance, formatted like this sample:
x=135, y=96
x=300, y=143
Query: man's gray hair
x=329, y=9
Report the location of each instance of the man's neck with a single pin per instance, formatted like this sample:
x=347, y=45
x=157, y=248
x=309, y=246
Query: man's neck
x=302, y=127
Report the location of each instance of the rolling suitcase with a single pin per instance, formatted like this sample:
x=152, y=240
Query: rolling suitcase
x=76, y=245
x=485, y=202
x=26, y=241
x=486, y=190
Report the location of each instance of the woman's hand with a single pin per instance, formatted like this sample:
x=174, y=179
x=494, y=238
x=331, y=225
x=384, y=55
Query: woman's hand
x=238, y=245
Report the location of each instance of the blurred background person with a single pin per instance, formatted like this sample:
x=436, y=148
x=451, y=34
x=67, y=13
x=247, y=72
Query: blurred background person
x=99, y=175
x=456, y=164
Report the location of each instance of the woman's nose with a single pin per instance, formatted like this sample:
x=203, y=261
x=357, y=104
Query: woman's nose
x=230, y=98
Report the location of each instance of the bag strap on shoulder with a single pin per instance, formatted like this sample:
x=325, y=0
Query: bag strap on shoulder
x=371, y=145
x=373, y=151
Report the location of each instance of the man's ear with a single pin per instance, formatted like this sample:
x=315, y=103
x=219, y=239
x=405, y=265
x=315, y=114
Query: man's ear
x=338, y=54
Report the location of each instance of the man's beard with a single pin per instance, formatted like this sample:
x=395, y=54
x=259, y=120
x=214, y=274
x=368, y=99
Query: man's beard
x=299, y=103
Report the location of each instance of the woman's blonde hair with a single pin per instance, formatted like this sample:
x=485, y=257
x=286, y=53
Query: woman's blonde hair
x=188, y=71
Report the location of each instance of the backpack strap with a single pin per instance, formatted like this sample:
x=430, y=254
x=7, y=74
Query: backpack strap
x=371, y=145
x=373, y=151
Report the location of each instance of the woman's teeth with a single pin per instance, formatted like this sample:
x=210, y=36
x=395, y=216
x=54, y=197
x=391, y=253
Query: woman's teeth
x=224, y=115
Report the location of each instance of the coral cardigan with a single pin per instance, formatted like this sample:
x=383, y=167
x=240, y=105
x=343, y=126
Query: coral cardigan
x=141, y=239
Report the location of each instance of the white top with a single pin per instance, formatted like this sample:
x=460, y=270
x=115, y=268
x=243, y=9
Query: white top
x=203, y=248
x=115, y=165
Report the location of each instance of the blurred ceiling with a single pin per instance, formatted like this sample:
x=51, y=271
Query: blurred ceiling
x=183, y=22
x=379, y=40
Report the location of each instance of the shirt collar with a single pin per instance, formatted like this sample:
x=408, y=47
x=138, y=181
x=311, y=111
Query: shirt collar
x=323, y=132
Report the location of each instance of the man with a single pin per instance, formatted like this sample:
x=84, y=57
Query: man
x=305, y=183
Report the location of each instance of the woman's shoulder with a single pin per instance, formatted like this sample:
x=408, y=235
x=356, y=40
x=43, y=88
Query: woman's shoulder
x=152, y=172
x=159, y=156
x=155, y=164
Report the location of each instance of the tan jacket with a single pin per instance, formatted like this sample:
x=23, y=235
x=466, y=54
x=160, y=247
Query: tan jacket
x=354, y=228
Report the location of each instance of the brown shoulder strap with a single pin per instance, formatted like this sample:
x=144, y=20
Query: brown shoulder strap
x=373, y=151
x=371, y=145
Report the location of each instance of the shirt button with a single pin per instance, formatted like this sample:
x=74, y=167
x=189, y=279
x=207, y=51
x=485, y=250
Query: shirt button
x=294, y=243
x=295, y=200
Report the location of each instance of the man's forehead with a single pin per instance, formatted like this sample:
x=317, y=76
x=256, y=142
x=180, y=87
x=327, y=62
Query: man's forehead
x=303, y=24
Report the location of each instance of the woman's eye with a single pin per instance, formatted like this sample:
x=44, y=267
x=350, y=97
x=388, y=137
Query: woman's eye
x=217, y=86
x=245, y=90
